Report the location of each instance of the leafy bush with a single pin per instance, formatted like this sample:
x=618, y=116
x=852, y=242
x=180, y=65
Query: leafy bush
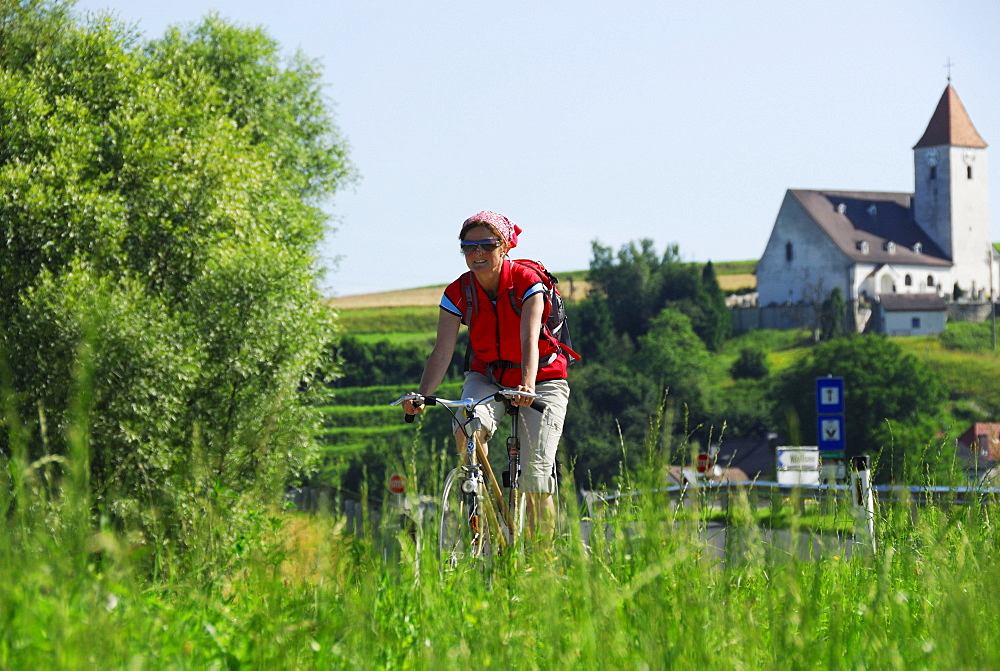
x=751, y=364
x=745, y=407
x=968, y=337
x=158, y=223
x=609, y=406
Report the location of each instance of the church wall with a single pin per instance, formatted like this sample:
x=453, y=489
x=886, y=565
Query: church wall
x=969, y=312
x=816, y=266
x=787, y=317
x=892, y=279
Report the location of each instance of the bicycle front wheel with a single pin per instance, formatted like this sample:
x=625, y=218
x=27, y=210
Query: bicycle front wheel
x=464, y=530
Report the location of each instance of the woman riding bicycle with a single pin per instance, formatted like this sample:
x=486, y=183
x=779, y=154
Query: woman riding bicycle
x=510, y=349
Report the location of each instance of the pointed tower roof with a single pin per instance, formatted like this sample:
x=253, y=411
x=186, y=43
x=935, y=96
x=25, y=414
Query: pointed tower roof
x=950, y=125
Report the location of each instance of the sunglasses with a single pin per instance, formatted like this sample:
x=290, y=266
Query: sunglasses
x=487, y=246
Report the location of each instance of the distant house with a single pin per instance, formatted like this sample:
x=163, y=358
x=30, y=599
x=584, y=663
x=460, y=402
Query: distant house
x=981, y=442
x=736, y=460
x=876, y=244
x=909, y=314
x=979, y=450
x=752, y=456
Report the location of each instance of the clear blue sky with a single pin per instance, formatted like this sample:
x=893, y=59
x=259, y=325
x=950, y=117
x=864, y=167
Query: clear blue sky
x=582, y=120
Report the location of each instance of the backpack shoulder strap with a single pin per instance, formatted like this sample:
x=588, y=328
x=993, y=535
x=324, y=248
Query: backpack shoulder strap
x=532, y=266
x=471, y=298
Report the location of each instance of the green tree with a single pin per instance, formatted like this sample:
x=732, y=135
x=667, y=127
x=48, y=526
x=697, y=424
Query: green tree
x=637, y=284
x=673, y=355
x=675, y=359
x=832, y=315
x=594, y=334
x=892, y=400
x=160, y=202
x=719, y=325
x=745, y=408
x=607, y=427
x=379, y=363
x=631, y=282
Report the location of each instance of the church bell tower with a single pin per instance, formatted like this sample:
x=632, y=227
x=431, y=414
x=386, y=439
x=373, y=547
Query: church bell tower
x=951, y=192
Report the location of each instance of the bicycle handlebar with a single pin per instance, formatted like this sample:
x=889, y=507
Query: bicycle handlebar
x=468, y=402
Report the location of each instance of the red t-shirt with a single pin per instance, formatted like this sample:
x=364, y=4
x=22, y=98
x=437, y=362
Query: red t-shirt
x=495, y=328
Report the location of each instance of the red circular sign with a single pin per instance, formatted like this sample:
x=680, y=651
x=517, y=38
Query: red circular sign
x=397, y=484
x=702, y=463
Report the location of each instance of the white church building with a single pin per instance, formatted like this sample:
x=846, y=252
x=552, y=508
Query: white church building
x=877, y=244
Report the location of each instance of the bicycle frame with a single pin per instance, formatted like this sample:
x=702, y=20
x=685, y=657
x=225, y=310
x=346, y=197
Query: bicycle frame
x=478, y=481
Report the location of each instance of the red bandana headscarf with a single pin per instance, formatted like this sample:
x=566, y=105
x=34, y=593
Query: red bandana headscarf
x=503, y=226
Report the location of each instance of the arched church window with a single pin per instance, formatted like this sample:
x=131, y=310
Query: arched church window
x=908, y=281
x=788, y=251
x=930, y=280
x=968, y=171
x=933, y=172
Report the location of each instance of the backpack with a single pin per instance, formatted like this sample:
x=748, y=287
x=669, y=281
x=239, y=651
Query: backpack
x=556, y=324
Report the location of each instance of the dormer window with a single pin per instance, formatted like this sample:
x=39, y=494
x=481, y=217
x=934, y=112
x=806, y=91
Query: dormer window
x=889, y=246
x=841, y=208
x=917, y=248
x=862, y=246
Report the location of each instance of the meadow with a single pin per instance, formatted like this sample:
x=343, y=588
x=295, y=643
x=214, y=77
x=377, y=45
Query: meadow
x=647, y=590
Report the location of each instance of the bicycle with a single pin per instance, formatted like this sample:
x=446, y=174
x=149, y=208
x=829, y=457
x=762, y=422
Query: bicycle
x=475, y=515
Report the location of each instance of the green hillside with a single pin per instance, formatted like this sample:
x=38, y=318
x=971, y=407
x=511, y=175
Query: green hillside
x=359, y=426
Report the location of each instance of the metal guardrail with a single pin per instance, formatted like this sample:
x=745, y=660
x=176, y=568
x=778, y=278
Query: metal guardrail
x=769, y=489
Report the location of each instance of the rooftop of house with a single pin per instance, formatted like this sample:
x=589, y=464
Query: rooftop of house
x=981, y=433
x=912, y=303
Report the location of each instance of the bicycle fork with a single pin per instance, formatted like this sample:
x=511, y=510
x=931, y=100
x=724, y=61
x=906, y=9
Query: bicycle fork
x=472, y=488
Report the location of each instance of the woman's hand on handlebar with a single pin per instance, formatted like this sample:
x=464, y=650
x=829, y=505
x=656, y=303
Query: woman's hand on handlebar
x=412, y=406
x=524, y=401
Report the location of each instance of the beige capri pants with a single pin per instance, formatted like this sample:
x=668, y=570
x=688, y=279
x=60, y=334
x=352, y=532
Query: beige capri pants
x=539, y=432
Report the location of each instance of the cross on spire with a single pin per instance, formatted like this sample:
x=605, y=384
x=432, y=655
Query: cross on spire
x=949, y=65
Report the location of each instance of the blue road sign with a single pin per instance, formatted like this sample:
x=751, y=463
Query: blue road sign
x=830, y=432
x=830, y=395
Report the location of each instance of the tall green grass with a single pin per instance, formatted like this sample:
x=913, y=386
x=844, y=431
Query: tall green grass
x=648, y=591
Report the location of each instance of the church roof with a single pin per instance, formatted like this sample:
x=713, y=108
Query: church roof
x=950, y=124
x=872, y=226
x=912, y=303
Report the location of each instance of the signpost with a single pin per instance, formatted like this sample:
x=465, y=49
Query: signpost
x=798, y=465
x=830, y=429
x=830, y=414
x=830, y=433
x=702, y=463
x=397, y=483
x=830, y=395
